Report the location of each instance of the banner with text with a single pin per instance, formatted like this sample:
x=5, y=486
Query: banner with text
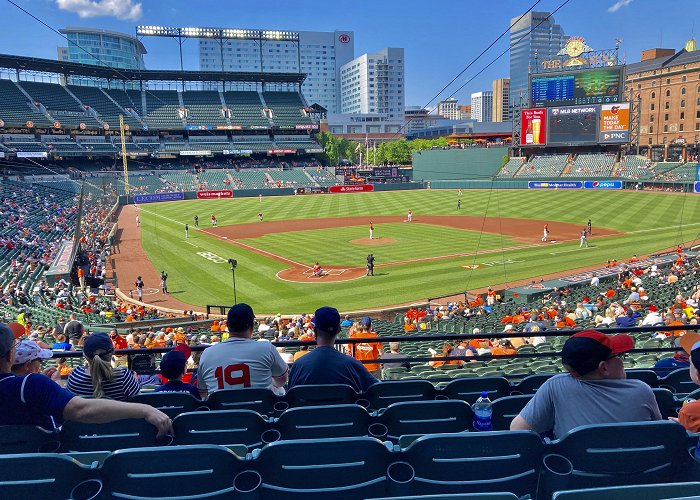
x=156, y=197
x=614, y=123
x=360, y=188
x=214, y=193
x=533, y=125
x=288, y=151
x=31, y=154
x=554, y=184
x=602, y=185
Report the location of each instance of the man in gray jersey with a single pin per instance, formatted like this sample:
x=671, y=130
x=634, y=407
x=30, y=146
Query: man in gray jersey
x=595, y=391
x=240, y=361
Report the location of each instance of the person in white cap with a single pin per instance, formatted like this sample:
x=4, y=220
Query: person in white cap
x=28, y=358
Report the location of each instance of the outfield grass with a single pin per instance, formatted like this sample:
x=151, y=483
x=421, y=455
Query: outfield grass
x=651, y=221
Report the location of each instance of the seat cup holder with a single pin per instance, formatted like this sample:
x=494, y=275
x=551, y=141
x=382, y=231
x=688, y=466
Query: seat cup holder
x=247, y=481
x=50, y=446
x=363, y=403
x=86, y=490
x=270, y=436
x=558, y=464
x=400, y=472
x=378, y=430
x=280, y=406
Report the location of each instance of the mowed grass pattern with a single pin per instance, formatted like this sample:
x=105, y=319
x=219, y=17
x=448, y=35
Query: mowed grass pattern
x=652, y=221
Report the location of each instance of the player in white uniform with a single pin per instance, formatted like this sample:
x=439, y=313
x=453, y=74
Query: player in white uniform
x=240, y=361
x=409, y=216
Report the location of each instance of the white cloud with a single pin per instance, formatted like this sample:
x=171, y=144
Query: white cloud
x=126, y=10
x=618, y=5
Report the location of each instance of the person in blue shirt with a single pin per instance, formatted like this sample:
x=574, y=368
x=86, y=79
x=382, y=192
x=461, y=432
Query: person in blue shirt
x=35, y=399
x=173, y=366
x=326, y=365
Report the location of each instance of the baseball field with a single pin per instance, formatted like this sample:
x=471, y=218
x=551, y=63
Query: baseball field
x=493, y=238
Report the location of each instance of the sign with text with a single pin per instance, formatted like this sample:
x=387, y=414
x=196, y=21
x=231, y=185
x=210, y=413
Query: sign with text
x=214, y=193
x=243, y=152
x=533, y=125
x=31, y=154
x=156, y=197
x=554, y=184
x=305, y=126
x=284, y=151
x=614, y=122
x=360, y=188
x=602, y=184
x=195, y=153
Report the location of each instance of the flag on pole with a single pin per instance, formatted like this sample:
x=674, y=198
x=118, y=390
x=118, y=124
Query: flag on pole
x=357, y=148
x=366, y=141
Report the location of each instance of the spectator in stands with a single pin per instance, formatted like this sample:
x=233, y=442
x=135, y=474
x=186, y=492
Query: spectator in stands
x=365, y=351
x=61, y=344
x=627, y=319
x=689, y=415
x=595, y=391
x=679, y=360
x=395, y=354
x=326, y=365
x=37, y=400
x=241, y=361
x=98, y=378
x=28, y=357
x=74, y=329
x=287, y=357
x=173, y=367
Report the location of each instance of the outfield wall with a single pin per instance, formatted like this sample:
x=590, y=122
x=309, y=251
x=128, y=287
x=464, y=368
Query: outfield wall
x=456, y=164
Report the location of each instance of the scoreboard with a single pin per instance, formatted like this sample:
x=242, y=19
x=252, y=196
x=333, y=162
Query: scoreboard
x=582, y=87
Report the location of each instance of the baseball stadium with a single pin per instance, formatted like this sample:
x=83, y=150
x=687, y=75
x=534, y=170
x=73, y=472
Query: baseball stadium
x=148, y=206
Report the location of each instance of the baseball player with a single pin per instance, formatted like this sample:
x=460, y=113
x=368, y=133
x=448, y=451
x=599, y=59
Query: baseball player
x=545, y=232
x=409, y=216
x=371, y=230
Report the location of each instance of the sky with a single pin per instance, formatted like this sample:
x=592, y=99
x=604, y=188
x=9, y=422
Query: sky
x=440, y=37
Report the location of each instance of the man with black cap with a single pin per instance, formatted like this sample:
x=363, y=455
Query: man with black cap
x=326, y=365
x=595, y=391
x=240, y=361
x=37, y=400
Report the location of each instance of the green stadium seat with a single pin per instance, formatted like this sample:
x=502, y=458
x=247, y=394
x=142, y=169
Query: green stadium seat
x=383, y=395
x=320, y=394
x=27, y=439
x=506, y=409
x=223, y=427
x=259, y=400
x=321, y=422
x=170, y=403
x=666, y=491
x=470, y=389
x=678, y=382
x=421, y=417
x=130, y=433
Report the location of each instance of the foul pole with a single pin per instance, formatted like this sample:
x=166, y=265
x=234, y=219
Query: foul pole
x=126, y=169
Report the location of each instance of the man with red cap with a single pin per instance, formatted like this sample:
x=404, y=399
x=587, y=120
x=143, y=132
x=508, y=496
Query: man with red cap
x=595, y=391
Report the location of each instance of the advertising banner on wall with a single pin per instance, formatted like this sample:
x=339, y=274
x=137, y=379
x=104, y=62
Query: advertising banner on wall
x=533, y=127
x=602, y=184
x=614, y=123
x=31, y=154
x=214, y=194
x=360, y=188
x=154, y=198
x=554, y=184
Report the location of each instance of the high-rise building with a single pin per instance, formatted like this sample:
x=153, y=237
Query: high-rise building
x=482, y=102
x=465, y=112
x=501, y=111
x=102, y=48
x=533, y=39
x=448, y=109
x=319, y=54
x=417, y=118
x=374, y=83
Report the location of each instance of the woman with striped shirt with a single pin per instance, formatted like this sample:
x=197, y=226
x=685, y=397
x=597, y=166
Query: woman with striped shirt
x=98, y=378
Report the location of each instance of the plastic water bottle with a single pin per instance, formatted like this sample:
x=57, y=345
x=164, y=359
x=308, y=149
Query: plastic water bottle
x=483, y=413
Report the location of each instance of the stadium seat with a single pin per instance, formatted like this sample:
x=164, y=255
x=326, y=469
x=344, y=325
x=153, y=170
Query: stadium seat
x=529, y=385
x=617, y=455
x=170, y=403
x=421, y=417
x=475, y=462
x=634, y=492
x=130, y=433
x=505, y=410
x=202, y=472
x=259, y=400
x=46, y=475
x=678, y=382
x=223, y=427
x=649, y=377
x=324, y=468
x=317, y=422
x=320, y=394
x=27, y=439
x=470, y=389
x=667, y=403
x=382, y=395
x=457, y=496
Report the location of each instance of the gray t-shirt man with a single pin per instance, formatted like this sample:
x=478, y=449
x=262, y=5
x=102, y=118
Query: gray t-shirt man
x=564, y=402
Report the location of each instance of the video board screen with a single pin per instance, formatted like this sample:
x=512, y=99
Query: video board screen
x=574, y=125
x=592, y=86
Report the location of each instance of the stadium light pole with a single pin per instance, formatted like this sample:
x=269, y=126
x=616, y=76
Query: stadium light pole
x=234, y=263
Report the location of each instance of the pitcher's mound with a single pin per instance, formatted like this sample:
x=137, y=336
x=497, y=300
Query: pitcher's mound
x=373, y=241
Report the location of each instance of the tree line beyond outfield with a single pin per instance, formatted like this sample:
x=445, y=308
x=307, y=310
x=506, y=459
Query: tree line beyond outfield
x=396, y=152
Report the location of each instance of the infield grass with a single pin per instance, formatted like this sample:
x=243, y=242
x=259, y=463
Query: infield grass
x=651, y=220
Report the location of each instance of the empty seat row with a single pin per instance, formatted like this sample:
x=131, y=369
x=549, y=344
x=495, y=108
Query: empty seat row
x=519, y=463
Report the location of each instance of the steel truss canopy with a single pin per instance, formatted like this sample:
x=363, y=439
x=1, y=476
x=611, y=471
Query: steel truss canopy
x=219, y=33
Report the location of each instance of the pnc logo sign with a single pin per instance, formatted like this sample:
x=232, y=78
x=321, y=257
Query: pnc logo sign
x=344, y=38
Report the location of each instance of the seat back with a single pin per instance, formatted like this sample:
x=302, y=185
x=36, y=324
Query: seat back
x=475, y=462
x=678, y=382
x=27, y=439
x=667, y=403
x=529, y=385
x=202, y=472
x=506, y=409
x=170, y=403
x=616, y=455
x=645, y=492
x=422, y=417
x=649, y=377
x=320, y=394
x=130, y=433
x=46, y=475
x=223, y=427
x=324, y=468
x=469, y=389
x=382, y=395
x=259, y=400
x=318, y=422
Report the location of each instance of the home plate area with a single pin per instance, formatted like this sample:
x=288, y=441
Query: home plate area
x=330, y=272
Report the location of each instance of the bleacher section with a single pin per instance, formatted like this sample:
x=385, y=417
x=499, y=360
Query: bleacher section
x=675, y=171
x=108, y=112
x=60, y=104
x=15, y=108
x=246, y=109
x=544, y=166
x=591, y=165
x=287, y=109
x=290, y=178
x=163, y=106
x=634, y=167
x=203, y=108
x=510, y=168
